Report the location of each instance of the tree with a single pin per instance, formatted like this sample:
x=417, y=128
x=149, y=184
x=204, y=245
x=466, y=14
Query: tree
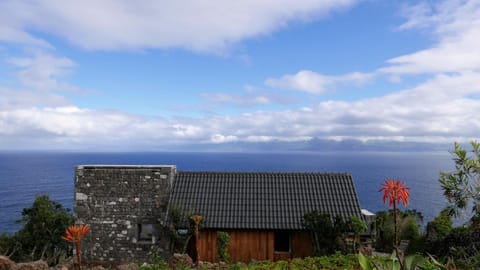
x=44, y=224
x=326, y=232
x=462, y=186
x=396, y=192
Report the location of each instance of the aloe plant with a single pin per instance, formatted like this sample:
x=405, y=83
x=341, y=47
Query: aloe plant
x=74, y=234
x=412, y=262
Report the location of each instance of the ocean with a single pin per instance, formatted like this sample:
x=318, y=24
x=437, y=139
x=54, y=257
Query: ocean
x=24, y=175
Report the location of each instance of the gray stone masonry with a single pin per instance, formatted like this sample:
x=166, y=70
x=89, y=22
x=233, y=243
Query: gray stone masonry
x=126, y=208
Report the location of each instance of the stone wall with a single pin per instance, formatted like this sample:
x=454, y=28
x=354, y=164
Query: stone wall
x=126, y=208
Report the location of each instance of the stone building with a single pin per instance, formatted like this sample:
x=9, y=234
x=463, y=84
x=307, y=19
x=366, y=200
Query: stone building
x=125, y=206
x=127, y=209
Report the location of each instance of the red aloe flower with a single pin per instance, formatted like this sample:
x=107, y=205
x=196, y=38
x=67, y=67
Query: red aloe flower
x=75, y=234
x=396, y=192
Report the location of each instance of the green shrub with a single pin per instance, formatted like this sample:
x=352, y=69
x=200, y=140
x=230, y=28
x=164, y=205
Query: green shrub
x=223, y=239
x=408, y=229
x=157, y=262
x=439, y=227
x=327, y=234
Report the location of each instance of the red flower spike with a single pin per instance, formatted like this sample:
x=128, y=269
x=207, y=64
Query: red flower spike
x=395, y=191
x=75, y=233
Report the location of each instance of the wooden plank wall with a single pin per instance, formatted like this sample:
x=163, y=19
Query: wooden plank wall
x=301, y=245
x=246, y=245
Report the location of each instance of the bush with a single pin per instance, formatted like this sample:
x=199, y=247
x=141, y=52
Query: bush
x=327, y=235
x=332, y=262
x=460, y=243
x=178, y=220
x=223, y=239
x=439, y=227
x=408, y=228
x=157, y=262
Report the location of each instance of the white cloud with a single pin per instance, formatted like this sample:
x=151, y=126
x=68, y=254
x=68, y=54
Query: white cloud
x=316, y=83
x=249, y=99
x=433, y=111
x=456, y=25
x=10, y=34
x=219, y=138
x=42, y=71
x=122, y=24
x=14, y=98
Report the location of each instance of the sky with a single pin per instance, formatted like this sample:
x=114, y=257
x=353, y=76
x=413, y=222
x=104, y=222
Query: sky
x=152, y=74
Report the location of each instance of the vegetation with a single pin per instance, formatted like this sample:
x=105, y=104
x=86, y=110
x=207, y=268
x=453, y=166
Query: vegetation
x=462, y=186
x=180, y=230
x=439, y=228
x=327, y=233
x=408, y=228
x=223, y=239
x=396, y=192
x=356, y=225
x=157, y=262
x=392, y=262
x=40, y=237
x=336, y=261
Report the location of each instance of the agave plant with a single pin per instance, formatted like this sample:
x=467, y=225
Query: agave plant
x=74, y=234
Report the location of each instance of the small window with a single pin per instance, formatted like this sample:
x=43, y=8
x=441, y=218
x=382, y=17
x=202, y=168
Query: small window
x=146, y=233
x=282, y=241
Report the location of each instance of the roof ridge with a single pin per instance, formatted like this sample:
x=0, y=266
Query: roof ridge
x=266, y=172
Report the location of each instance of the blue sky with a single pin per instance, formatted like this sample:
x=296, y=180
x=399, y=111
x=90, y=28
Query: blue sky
x=122, y=75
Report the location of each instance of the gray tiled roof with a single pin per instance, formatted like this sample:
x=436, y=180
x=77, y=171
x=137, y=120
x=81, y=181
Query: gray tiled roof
x=255, y=200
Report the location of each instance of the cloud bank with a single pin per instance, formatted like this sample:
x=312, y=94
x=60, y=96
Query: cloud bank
x=442, y=108
x=121, y=24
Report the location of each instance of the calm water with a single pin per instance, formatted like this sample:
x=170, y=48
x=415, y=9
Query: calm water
x=24, y=175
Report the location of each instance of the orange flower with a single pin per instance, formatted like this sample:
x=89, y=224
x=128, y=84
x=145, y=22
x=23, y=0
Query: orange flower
x=75, y=233
x=396, y=191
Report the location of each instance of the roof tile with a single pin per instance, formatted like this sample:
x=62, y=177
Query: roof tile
x=254, y=200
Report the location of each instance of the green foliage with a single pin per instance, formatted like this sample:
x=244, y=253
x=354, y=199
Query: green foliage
x=356, y=225
x=335, y=261
x=393, y=262
x=332, y=262
x=327, y=234
x=223, y=239
x=40, y=238
x=460, y=244
x=408, y=228
x=157, y=262
x=439, y=227
x=8, y=246
x=180, y=220
x=463, y=185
